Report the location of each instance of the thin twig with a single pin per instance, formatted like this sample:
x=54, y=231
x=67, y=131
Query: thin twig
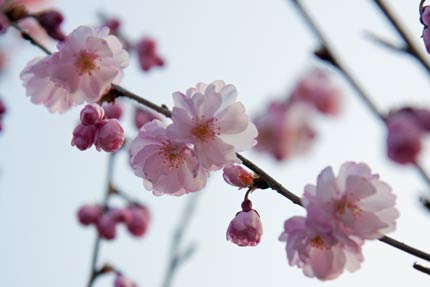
x=411, y=46
x=275, y=184
x=385, y=43
x=421, y=268
x=31, y=39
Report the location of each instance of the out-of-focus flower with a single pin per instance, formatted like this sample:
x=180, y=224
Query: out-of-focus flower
x=319, y=90
x=113, y=110
x=147, y=53
x=167, y=167
x=109, y=136
x=284, y=130
x=425, y=19
x=89, y=61
x=137, y=220
x=2, y=112
x=210, y=118
x=237, y=176
x=356, y=202
x=245, y=229
x=113, y=24
x=89, y=214
x=84, y=136
x=92, y=114
x=404, y=138
x=122, y=281
x=106, y=226
x=143, y=116
x=51, y=20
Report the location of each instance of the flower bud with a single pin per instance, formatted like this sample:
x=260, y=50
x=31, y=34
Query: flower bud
x=113, y=110
x=137, y=219
x=237, y=176
x=113, y=24
x=110, y=136
x=51, y=21
x=106, y=226
x=147, y=53
x=89, y=214
x=83, y=136
x=92, y=114
x=122, y=281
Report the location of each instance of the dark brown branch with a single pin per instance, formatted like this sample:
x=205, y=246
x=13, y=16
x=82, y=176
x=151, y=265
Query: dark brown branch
x=385, y=43
x=421, y=268
x=411, y=46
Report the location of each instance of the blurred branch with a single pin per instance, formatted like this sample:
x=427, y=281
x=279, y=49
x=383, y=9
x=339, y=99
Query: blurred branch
x=384, y=43
x=275, y=185
x=411, y=47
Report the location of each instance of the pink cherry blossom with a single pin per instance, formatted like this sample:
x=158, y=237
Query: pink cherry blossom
x=356, y=202
x=113, y=110
x=148, y=55
x=284, y=130
x=317, y=251
x=137, y=220
x=92, y=114
x=109, y=136
x=167, y=167
x=210, y=118
x=143, y=116
x=84, y=136
x=404, y=138
x=122, y=281
x=318, y=89
x=89, y=214
x=246, y=228
x=425, y=19
x=50, y=21
x=106, y=225
x=237, y=176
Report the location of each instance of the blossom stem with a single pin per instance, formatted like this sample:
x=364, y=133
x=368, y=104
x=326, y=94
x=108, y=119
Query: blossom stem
x=411, y=47
x=28, y=37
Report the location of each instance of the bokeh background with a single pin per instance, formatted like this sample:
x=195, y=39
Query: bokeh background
x=262, y=47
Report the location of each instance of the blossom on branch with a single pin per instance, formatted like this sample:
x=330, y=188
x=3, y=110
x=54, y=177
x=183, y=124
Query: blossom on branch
x=210, y=118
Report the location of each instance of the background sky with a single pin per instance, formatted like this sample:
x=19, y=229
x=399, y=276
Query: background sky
x=262, y=47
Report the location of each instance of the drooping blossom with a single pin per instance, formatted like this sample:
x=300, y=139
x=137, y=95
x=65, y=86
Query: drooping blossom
x=237, y=176
x=92, y=114
x=84, y=136
x=319, y=90
x=137, y=219
x=284, y=130
x=404, y=137
x=356, y=202
x=148, y=55
x=167, y=167
x=143, y=116
x=246, y=228
x=210, y=118
x=113, y=110
x=110, y=136
x=89, y=214
x=50, y=21
x=123, y=281
x=317, y=250
x=88, y=62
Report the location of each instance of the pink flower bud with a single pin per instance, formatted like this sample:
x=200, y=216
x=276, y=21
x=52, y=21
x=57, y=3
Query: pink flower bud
x=4, y=23
x=2, y=112
x=113, y=110
x=89, y=214
x=143, y=116
x=92, y=114
x=83, y=136
x=237, y=176
x=51, y=21
x=110, y=136
x=113, y=24
x=137, y=219
x=106, y=226
x=147, y=53
x=122, y=281
x=404, y=139
x=246, y=228
x=425, y=16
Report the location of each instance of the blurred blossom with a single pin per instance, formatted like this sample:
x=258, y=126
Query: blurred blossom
x=113, y=110
x=2, y=113
x=122, y=281
x=148, y=55
x=51, y=20
x=89, y=214
x=425, y=19
x=143, y=116
x=284, y=130
x=138, y=219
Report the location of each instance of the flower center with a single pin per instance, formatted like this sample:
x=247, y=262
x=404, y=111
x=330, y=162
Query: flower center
x=173, y=155
x=204, y=130
x=317, y=242
x=86, y=63
x=345, y=205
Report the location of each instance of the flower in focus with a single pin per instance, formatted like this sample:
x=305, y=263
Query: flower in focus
x=284, y=130
x=167, y=167
x=210, y=118
x=356, y=202
x=319, y=90
x=237, y=176
x=84, y=136
x=88, y=62
x=147, y=53
x=113, y=110
x=92, y=114
x=245, y=229
x=143, y=116
x=109, y=136
x=317, y=251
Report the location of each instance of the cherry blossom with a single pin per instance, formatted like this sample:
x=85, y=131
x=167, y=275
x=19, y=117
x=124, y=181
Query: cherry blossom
x=92, y=114
x=143, y=116
x=137, y=219
x=51, y=21
x=123, y=281
x=237, y=176
x=89, y=214
x=84, y=136
x=148, y=55
x=113, y=110
x=210, y=118
x=167, y=167
x=2, y=112
x=110, y=136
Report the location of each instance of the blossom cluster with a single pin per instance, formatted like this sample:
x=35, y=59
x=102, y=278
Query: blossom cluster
x=99, y=126
x=406, y=127
x=86, y=65
x=135, y=217
x=209, y=127
x=342, y=212
x=285, y=128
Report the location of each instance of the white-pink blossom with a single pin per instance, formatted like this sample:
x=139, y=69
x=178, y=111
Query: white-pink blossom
x=167, y=167
x=210, y=118
x=356, y=202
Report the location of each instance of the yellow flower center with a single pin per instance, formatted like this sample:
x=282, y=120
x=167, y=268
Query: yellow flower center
x=86, y=63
